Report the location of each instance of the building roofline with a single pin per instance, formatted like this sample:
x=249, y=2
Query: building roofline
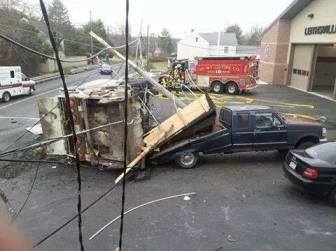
x=290, y=12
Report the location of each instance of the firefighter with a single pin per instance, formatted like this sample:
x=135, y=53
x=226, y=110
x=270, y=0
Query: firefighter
x=176, y=79
x=173, y=81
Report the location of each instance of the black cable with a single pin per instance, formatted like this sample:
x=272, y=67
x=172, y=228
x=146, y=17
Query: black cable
x=125, y=133
x=45, y=55
x=54, y=58
x=74, y=217
x=25, y=132
x=32, y=161
x=72, y=124
x=28, y=195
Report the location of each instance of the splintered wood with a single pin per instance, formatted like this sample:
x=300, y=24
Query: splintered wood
x=171, y=127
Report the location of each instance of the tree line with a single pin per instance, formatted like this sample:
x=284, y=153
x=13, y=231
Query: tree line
x=252, y=37
x=19, y=22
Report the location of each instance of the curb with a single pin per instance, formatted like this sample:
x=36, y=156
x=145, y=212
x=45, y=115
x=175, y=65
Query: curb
x=47, y=77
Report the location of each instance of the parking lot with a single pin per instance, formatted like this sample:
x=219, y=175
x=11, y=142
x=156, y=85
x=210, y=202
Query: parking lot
x=242, y=201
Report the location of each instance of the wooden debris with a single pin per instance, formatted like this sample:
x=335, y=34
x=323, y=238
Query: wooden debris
x=171, y=127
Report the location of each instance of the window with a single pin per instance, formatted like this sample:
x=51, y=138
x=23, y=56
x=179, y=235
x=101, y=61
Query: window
x=267, y=120
x=226, y=50
x=276, y=121
x=225, y=117
x=243, y=120
x=323, y=152
x=12, y=75
x=264, y=120
x=24, y=77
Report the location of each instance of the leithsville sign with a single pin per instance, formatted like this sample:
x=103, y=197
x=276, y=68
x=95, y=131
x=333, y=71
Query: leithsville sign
x=319, y=30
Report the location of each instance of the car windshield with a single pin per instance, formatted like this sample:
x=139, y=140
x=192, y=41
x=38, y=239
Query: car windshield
x=325, y=152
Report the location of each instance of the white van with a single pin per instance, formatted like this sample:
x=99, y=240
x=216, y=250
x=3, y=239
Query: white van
x=14, y=83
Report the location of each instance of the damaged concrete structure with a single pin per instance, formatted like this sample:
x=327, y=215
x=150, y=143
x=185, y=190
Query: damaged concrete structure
x=94, y=107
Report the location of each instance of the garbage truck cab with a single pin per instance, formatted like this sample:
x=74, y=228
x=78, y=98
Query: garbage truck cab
x=14, y=83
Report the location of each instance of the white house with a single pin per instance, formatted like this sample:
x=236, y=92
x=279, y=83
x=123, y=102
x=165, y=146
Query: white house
x=196, y=44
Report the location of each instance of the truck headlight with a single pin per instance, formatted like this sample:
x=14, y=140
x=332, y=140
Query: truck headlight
x=324, y=132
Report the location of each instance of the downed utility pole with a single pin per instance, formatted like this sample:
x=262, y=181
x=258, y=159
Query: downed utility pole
x=156, y=85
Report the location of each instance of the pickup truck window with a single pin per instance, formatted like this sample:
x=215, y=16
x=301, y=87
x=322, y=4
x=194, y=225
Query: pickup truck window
x=225, y=117
x=267, y=120
x=243, y=120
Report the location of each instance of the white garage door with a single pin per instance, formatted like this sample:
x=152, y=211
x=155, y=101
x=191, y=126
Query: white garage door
x=302, y=64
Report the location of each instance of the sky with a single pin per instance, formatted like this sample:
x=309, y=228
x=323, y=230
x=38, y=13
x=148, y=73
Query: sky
x=178, y=16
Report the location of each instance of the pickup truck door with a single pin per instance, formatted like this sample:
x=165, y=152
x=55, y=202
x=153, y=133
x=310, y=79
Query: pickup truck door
x=242, y=132
x=270, y=132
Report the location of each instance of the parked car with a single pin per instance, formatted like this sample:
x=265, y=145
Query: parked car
x=313, y=169
x=243, y=128
x=106, y=69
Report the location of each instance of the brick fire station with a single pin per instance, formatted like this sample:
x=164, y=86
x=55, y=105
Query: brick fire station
x=299, y=48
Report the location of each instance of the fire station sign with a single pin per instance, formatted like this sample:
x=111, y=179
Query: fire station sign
x=319, y=30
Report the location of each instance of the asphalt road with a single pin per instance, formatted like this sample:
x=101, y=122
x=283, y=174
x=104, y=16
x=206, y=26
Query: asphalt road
x=242, y=201
x=22, y=112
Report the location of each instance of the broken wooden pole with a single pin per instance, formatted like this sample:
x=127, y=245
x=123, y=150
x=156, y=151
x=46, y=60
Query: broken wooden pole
x=156, y=85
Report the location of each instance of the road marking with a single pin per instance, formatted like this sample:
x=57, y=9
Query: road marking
x=29, y=98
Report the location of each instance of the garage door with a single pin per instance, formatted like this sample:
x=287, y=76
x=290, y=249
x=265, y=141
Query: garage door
x=302, y=65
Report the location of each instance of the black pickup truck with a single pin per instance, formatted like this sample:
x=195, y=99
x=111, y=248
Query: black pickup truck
x=243, y=128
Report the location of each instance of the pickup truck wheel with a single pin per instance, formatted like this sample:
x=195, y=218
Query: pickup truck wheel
x=187, y=160
x=217, y=87
x=6, y=97
x=232, y=88
x=332, y=197
x=304, y=145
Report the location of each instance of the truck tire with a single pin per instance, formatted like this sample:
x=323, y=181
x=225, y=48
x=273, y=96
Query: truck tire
x=187, y=160
x=217, y=87
x=232, y=88
x=332, y=197
x=6, y=97
x=304, y=145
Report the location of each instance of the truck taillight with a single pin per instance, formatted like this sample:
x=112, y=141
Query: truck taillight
x=310, y=173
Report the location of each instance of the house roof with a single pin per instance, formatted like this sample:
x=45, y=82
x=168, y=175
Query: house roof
x=291, y=11
x=225, y=38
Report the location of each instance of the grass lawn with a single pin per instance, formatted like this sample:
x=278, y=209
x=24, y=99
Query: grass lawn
x=159, y=66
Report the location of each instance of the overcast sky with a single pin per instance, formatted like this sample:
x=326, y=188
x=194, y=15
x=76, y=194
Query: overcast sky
x=178, y=16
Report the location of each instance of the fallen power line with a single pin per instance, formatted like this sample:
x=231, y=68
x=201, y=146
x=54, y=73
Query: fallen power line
x=71, y=120
x=137, y=207
x=54, y=58
x=53, y=140
x=28, y=195
x=32, y=161
x=48, y=236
